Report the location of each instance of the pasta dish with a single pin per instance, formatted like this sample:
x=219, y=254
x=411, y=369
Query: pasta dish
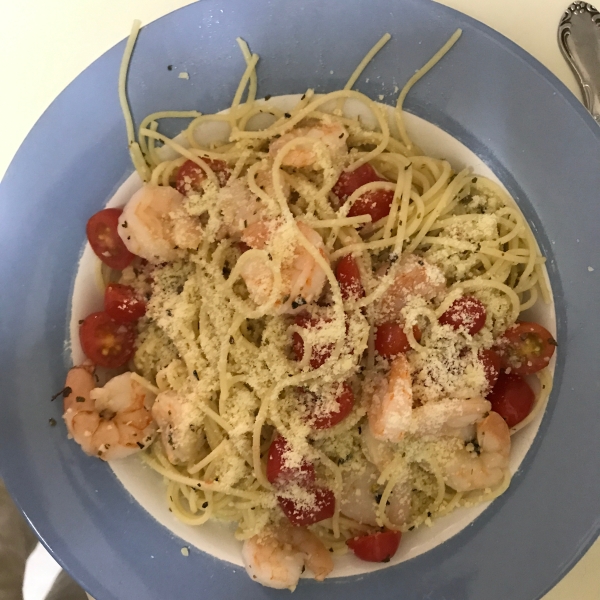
x=311, y=330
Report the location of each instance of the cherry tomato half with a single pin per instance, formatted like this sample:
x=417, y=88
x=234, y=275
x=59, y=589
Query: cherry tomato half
x=491, y=361
x=390, y=339
x=105, y=341
x=122, y=303
x=376, y=203
x=302, y=516
x=528, y=348
x=279, y=473
x=348, y=276
x=511, y=398
x=191, y=176
x=466, y=312
x=376, y=547
x=319, y=354
x=345, y=404
x=102, y=234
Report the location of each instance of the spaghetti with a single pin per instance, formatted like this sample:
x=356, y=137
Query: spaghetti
x=287, y=401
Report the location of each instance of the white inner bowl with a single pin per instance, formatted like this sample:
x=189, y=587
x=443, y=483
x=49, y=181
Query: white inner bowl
x=147, y=486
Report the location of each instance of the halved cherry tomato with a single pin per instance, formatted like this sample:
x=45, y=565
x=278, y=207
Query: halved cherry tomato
x=102, y=234
x=512, y=398
x=191, y=176
x=490, y=360
x=345, y=404
x=122, y=303
x=279, y=473
x=302, y=516
x=376, y=547
x=528, y=348
x=319, y=354
x=376, y=203
x=106, y=342
x=391, y=340
x=348, y=276
x=466, y=312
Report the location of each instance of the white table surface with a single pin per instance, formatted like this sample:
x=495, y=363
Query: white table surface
x=47, y=43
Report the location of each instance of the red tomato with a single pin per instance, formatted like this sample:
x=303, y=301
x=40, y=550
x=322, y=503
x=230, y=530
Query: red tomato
x=319, y=354
x=465, y=312
x=122, y=303
x=491, y=365
x=190, y=176
x=300, y=515
x=350, y=181
x=106, y=342
x=345, y=403
x=102, y=234
x=528, y=348
x=391, y=340
x=277, y=470
x=511, y=398
x=376, y=203
x=376, y=547
x=348, y=276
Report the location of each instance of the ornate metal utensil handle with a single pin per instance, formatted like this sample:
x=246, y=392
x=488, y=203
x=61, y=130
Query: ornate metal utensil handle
x=579, y=42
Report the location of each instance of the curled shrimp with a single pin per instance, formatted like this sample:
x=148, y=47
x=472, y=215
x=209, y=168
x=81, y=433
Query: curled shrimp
x=471, y=470
x=239, y=207
x=333, y=135
x=155, y=225
x=180, y=429
x=449, y=417
x=391, y=414
x=359, y=498
x=390, y=409
x=415, y=277
x=277, y=556
x=302, y=279
x=109, y=422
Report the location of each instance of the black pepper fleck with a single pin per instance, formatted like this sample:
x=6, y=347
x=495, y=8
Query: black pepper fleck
x=52, y=422
x=170, y=67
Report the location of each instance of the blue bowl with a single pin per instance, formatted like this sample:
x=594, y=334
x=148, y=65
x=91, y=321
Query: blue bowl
x=487, y=93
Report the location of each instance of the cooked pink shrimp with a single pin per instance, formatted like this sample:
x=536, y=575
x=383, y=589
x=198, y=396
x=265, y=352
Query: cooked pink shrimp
x=155, y=225
x=180, y=429
x=390, y=408
x=414, y=277
x=239, y=207
x=307, y=154
x=301, y=277
x=448, y=417
x=467, y=471
x=277, y=556
x=359, y=501
x=264, y=180
x=109, y=422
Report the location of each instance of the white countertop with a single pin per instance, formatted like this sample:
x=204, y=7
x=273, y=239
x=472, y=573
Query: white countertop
x=46, y=44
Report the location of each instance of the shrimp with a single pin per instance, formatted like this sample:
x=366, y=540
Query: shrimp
x=307, y=154
x=358, y=500
x=391, y=415
x=155, y=225
x=414, y=277
x=109, y=422
x=180, y=432
x=302, y=279
x=239, y=207
x=264, y=180
x=450, y=417
x=277, y=556
x=467, y=471
x=390, y=409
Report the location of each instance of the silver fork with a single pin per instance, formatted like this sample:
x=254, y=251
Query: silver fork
x=579, y=42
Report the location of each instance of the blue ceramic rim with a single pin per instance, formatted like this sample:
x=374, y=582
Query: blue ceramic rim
x=541, y=71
